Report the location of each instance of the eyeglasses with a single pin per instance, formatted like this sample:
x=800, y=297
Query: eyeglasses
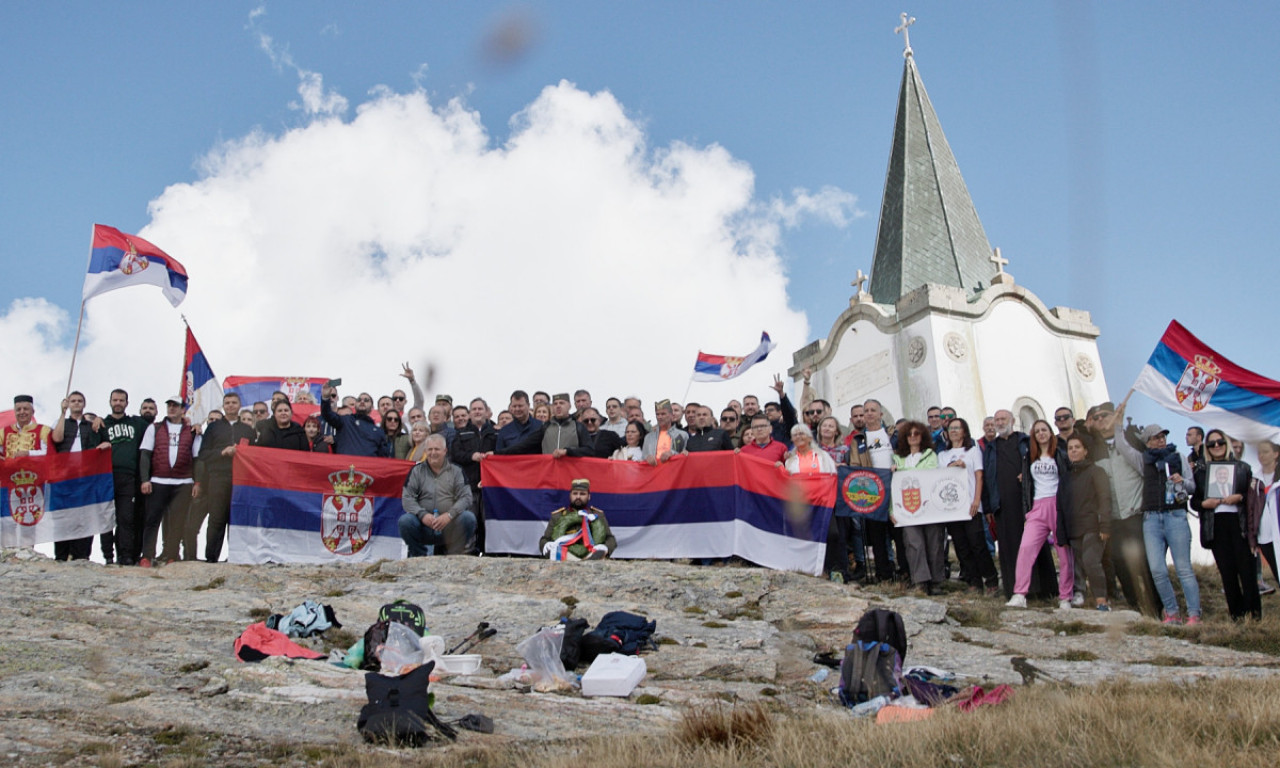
x=728, y=418
x=590, y=421
x=260, y=411
x=1216, y=443
x=396, y=419
x=948, y=416
x=812, y=413
x=397, y=397
x=1062, y=417
x=364, y=399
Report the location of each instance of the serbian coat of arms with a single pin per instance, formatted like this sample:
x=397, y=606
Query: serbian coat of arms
x=346, y=515
x=26, y=498
x=1198, y=383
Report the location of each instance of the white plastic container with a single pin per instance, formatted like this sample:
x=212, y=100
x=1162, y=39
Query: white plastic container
x=613, y=675
x=459, y=663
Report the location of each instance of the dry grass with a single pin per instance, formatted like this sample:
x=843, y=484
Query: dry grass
x=1220, y=723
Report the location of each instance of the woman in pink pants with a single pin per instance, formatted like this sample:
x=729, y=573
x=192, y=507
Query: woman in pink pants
x=1045, y=482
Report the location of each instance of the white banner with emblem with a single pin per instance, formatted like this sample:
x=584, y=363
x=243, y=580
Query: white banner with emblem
x=926, y=496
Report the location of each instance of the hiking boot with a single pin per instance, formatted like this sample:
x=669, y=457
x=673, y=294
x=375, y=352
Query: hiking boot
x=144, y=562
x=1192, y=621
x=1064, y=605
x=1265, y=588
x=859, y=573
x=1171, y=618
x=1017, y=601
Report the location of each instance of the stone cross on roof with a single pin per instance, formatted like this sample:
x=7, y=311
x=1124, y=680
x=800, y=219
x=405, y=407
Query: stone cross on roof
x=861, y=295
x=1001, y=277
x=907, y=21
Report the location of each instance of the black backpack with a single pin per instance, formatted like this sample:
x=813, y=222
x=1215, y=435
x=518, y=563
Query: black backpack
x=375, y=636
x=399, y=710
x=618, y=632
x=872, y=663
x=571, y=648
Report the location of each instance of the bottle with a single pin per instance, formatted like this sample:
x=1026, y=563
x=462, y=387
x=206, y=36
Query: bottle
x=867, y=708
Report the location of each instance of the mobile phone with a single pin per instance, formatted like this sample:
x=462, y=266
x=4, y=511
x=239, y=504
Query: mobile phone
x=333, y=383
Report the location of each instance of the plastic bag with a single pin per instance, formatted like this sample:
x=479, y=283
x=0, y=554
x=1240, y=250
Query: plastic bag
x=402, y=652
x=542, y=653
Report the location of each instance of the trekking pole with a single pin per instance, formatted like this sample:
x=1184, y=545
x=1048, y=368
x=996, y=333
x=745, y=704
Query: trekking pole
x=480, y=628
x=485, y=635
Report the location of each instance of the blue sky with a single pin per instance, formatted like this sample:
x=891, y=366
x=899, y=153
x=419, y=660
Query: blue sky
x=1122, y=156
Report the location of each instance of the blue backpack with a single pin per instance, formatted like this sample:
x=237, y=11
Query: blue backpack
x=872, y=663
x=618, y=632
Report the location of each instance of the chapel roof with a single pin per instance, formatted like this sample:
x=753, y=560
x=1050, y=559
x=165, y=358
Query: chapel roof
x=929, y=231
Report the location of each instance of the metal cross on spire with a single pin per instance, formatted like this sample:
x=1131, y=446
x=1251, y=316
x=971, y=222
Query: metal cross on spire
x=907, y=21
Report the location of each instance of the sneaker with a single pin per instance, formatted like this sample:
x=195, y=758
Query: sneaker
x=1171, y=618
x=1064, y=605
x=1104, y=607
x=1265, y=589
x=1017, y=601
x=837, y=577
x=144, y=562
x=1192, y=621
x=1077, y=599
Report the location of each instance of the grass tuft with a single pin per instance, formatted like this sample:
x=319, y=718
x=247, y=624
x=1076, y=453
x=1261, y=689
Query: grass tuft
x=743, y=725
x=214, y=583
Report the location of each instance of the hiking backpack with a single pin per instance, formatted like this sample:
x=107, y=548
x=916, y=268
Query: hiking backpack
x=399, y=710
x=872, y=663
x=375, y=636
x=618, y=632
x=571, y=648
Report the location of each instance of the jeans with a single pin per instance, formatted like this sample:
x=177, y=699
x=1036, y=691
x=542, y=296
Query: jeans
x=422, y=540
x=1168, y=530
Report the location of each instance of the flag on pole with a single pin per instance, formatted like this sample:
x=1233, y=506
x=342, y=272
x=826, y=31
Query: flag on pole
x=723, y=367
x=1195, y=382
x=201, y=392
x=119, y=260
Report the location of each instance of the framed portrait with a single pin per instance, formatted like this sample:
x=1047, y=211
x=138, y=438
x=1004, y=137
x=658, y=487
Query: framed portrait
x=1220, y=480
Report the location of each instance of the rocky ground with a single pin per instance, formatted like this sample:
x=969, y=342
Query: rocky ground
x=137, y=664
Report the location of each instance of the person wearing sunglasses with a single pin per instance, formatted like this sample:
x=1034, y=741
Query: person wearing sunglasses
x=925, y=544
x=1229, y=523
x=397, y=436
x=731, y=423
x=1164, y=516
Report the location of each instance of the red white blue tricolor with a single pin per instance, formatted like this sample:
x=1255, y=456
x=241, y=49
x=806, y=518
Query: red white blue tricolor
x=299, y=507
x=712, y=504
x=119, y=260
x=1195, y=382
x=55, y=498
x=723, y=367
x=200, y=390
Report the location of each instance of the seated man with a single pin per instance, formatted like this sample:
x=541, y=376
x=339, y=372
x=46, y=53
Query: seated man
x=579, y=531
x=437, y=505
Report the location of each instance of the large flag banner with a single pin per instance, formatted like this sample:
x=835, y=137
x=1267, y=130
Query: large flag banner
x=1197, y=383
x=200, y=390
x=722, y=367
x=118, y=260
x=299, y=507
x=864, y=493
x=713, y=504
x=57, y=497
x=302, y=391
x=926, y=496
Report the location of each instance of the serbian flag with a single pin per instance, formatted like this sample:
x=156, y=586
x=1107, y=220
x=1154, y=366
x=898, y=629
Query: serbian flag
x=723, y=368
x=200, y=390
x=302, y=391
x=1197, y=383
x=300, y=507
x=56, y=497
x=713, y=504
x=118, y=260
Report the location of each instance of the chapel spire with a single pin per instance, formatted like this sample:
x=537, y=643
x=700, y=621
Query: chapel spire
x=929, y=231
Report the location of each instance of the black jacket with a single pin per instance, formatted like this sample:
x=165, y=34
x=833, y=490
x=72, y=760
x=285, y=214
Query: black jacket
x=469, y=441
x=1090, y=499
x=599, y=444
x=221, y=434
x=709, y=440
x=292, y=437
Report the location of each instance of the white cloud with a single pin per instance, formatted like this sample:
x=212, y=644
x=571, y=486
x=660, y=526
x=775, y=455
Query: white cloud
x=573, y=255
x=315, y=99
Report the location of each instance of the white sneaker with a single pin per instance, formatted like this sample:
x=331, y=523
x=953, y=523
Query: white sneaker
x=1064, y=605
x=1017, y=601
x=1077, y=599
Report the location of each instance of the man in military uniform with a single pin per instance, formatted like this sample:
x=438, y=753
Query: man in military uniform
x=579, y=531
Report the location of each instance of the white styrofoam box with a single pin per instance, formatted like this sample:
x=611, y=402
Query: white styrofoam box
x=459, y=663
x=613, y=675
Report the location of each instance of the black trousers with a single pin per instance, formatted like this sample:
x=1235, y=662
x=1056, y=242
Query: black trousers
x=970, y=541
x=167, y=505
x=1235, y=563
x=877, y=536
x=213, y=503
x=73, y=549
x=129, y=516
x=1268, y=551
x=837, y=557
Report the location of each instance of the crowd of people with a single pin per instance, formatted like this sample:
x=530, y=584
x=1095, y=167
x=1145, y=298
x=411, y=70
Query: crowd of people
x=1077, y=510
